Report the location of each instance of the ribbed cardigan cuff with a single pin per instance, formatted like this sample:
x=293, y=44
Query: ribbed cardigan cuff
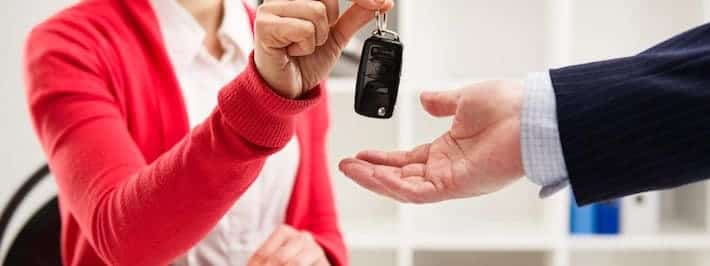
x=257, y=113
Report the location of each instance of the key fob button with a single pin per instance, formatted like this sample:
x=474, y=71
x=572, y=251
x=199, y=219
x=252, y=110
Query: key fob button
x=382, y=111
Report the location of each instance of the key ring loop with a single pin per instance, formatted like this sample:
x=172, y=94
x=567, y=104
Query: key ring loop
x=381, y=21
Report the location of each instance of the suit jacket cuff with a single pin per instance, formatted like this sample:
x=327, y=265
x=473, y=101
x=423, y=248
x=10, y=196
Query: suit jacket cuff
x=543, y=160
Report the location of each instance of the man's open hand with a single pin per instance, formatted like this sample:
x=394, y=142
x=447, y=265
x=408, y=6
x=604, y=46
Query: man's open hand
x=480, y=154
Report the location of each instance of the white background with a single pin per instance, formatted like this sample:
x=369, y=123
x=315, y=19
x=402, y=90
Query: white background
x=456, y=43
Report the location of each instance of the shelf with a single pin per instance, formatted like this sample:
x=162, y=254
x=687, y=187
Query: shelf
x=370, y=240
x=454, y=258
x=639, y=258
x=654, y=242
x=374, y=257
x=478, y=242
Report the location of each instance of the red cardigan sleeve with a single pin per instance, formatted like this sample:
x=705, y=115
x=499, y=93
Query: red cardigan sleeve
x=126, y=207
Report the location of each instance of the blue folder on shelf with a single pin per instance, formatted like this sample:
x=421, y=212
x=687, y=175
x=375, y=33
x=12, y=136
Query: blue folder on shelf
x=599, y=218
x=582, y=219
x=607, y=215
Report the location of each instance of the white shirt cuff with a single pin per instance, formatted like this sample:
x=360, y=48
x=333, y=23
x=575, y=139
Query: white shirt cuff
x=543, y=160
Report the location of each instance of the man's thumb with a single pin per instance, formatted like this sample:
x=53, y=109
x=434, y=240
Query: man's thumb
x=440, y=103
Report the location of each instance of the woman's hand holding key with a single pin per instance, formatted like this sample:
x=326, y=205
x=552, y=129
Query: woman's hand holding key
x=298, y=42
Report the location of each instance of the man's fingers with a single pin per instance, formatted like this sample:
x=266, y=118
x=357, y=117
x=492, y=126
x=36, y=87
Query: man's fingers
x=396, y=158
x=408, y=183
x=440, y=104
x=404, y=184
x=314, y=12
x=363, y=174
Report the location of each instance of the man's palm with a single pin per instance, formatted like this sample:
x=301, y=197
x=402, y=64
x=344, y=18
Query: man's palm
x=470, y=159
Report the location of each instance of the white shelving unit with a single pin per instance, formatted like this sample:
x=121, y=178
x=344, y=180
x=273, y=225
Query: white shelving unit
x=456, y=42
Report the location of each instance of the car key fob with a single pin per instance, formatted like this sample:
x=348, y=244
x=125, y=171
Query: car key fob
x=379, y=74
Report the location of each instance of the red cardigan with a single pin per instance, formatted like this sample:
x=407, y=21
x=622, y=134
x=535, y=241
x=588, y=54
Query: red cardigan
x=136, y=187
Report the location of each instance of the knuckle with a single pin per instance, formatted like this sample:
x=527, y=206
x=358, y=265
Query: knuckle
x=281, y=259
x=287, y=230
x=310, y=29
x=318, y=7
x=311, y=49
x=262, y=9
x=259, y=256
x=261, y=22
x=305, y=237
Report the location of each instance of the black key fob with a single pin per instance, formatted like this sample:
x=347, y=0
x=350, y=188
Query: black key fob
x=379, y=73
x=379, y=76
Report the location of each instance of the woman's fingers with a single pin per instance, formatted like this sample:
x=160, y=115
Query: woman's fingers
x=325, y=13
x=357, y=16
x=383, y=5
x=268, y=249
x=286, y=254
x=333, y=10
x=276, y=33
x=350, y=23
x=288, y=246
x=314, y=12
x=311, y=253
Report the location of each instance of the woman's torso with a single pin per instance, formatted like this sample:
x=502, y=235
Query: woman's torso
x=262, y=208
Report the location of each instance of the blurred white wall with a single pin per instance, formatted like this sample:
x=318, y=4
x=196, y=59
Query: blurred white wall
x=598, y=29
x=20, y=153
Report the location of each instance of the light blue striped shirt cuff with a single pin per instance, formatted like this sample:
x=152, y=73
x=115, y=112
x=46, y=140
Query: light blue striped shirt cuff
x=543, y=160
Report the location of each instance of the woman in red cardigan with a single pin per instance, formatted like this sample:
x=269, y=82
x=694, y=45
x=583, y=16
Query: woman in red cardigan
x=156, y=164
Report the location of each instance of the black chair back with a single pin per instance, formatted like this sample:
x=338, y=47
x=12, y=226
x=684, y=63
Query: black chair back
x=38, y=243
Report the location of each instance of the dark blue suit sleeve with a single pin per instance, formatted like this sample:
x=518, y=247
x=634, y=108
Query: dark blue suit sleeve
x=638, y=123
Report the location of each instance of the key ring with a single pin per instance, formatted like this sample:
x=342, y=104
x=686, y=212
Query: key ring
x=381, y=23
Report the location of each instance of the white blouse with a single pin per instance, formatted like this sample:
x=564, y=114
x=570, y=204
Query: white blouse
x=263, y=207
